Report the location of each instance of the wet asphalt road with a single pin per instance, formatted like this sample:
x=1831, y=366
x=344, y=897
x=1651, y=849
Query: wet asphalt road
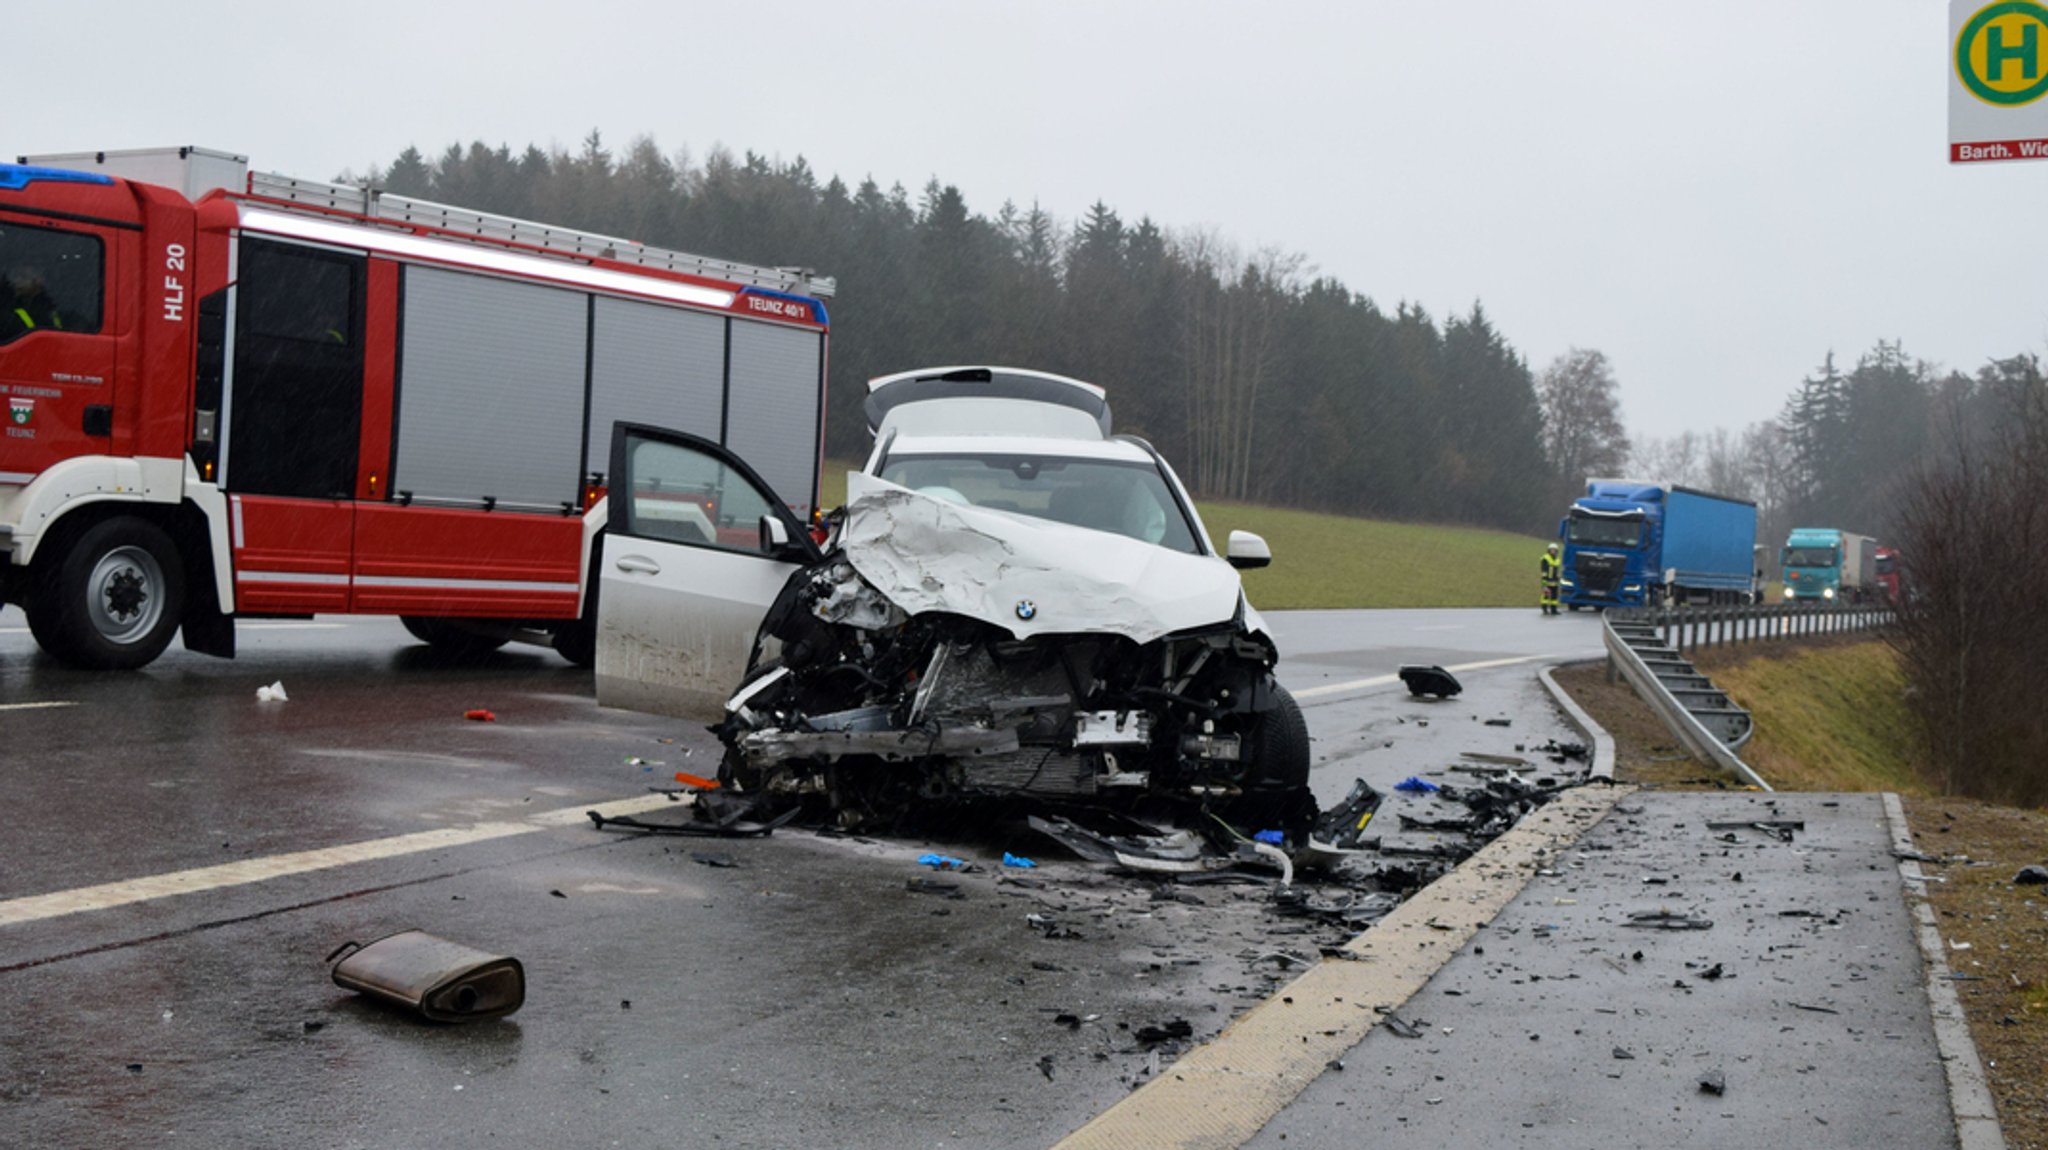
x=800, y=996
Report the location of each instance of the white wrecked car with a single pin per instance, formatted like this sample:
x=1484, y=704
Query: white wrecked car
x=1013, y=603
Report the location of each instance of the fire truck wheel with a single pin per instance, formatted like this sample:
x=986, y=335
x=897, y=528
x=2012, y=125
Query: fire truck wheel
x=450, y=638
x=113, y=598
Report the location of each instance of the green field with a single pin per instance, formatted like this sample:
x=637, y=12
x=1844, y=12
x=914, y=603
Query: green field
x=1829, y=716
x=1338, y=561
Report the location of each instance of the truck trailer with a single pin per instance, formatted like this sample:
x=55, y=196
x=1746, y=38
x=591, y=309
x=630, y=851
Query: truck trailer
x=237, y=395
x=1629, y=543
x=1829, y=564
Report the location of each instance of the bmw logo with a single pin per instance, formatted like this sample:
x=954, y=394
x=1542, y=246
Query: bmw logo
x=1026, y=609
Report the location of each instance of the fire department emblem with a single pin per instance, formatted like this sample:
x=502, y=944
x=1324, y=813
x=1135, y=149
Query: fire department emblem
x=20, y=411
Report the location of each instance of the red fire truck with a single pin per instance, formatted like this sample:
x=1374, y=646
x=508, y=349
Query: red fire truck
x=238, y=395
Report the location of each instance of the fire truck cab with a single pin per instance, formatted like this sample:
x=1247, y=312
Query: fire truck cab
x=238, y=395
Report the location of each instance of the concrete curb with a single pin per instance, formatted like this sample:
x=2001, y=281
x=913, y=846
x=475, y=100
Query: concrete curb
x=1968, y=1094
x=1603, y=743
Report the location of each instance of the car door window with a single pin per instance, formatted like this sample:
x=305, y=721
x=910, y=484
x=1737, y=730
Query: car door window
x=678, y=493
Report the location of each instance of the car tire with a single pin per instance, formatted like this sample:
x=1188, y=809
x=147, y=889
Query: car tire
x=451, y=638
x=112, y=598
x=1275, y=794
x=576, y=641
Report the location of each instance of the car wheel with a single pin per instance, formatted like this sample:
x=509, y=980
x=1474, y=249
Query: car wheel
x=113, y=597
x=576, y=641
x=1275, y=787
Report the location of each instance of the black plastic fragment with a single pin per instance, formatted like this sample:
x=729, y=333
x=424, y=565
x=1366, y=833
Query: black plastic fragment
x=1429, y=680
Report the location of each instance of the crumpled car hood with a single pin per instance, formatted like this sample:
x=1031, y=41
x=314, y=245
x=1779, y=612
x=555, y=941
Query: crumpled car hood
x=928, y=554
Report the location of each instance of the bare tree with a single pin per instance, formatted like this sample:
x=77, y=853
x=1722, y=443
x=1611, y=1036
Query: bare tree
x=1232, y=316
x=1675, y=461
x=1581, y=409
x=1972, y=637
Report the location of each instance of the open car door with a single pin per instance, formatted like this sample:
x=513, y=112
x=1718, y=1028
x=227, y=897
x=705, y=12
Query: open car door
x=688, y=570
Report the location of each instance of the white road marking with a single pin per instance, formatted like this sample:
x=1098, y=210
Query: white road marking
x=1383, y=680
x=36, y=706
x=35, y=908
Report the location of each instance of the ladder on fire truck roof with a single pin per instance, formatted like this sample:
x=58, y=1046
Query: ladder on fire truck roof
x=483, y=226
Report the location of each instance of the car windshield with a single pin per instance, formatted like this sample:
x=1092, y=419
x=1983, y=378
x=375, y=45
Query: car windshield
x=1809, y=557
x=1886, y=565
x=1589, y=531
x=1128, y=499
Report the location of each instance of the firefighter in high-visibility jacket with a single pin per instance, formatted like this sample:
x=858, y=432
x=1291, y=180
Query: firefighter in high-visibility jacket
x=1553, y=572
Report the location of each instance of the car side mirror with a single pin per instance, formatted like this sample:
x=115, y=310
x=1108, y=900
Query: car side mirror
x=1246, y=551
x=776, y=543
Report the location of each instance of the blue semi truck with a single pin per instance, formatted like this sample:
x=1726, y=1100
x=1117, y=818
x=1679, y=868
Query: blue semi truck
x=1629, y=543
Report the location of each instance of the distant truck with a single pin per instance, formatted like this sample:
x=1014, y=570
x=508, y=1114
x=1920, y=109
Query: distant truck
x=1830, y=565
x=1629, y=543
x=1889, y=575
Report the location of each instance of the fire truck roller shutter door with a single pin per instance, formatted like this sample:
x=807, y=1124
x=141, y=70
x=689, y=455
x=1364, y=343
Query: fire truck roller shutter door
x=657, y=365
x=772, y=422
x=490, y=394
x=295, y=415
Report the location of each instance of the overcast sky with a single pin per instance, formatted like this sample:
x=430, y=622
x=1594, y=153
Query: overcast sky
x=1715, y=195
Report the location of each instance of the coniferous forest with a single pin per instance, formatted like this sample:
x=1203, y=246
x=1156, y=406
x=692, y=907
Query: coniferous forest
x=1262, y=382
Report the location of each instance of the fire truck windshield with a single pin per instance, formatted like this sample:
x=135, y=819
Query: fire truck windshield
x=1590, y=531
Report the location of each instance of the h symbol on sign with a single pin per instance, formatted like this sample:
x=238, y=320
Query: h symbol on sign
x=1996, y=53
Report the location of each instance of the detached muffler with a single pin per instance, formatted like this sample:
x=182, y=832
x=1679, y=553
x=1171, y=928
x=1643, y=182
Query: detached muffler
x=445, y=981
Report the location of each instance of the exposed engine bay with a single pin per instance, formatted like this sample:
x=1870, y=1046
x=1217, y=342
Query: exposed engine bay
x=869, y=710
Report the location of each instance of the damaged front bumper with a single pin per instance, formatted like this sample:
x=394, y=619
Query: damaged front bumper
x=876, y=711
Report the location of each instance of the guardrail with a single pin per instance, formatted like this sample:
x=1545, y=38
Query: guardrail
x=1679, y=695
x=1688, y=628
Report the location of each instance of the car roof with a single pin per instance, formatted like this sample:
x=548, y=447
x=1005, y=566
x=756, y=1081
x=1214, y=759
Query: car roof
x=970, y=400
x=1114, y=450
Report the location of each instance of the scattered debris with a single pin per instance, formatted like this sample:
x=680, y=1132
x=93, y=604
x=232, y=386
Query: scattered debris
x=444, y=981
x=1050, y=927
x=1414, y=785
x=941, y=862
x=1561, y=752
x=1668, y=920
x=1904, y=855
x=1017, y=862
x=1814, y=1009
x=1045, y=1067
x=933, y=886
x=480, y=715
x=1780, y=829
x=716, y=814
x=1172, y=1031
x=1400, y=1029
x=1500, y=722
x=274, y=693
x=1429, y=680
x=714, y=859
x=1623, y=1054
x=1714, y=1082
x=2031, y=875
